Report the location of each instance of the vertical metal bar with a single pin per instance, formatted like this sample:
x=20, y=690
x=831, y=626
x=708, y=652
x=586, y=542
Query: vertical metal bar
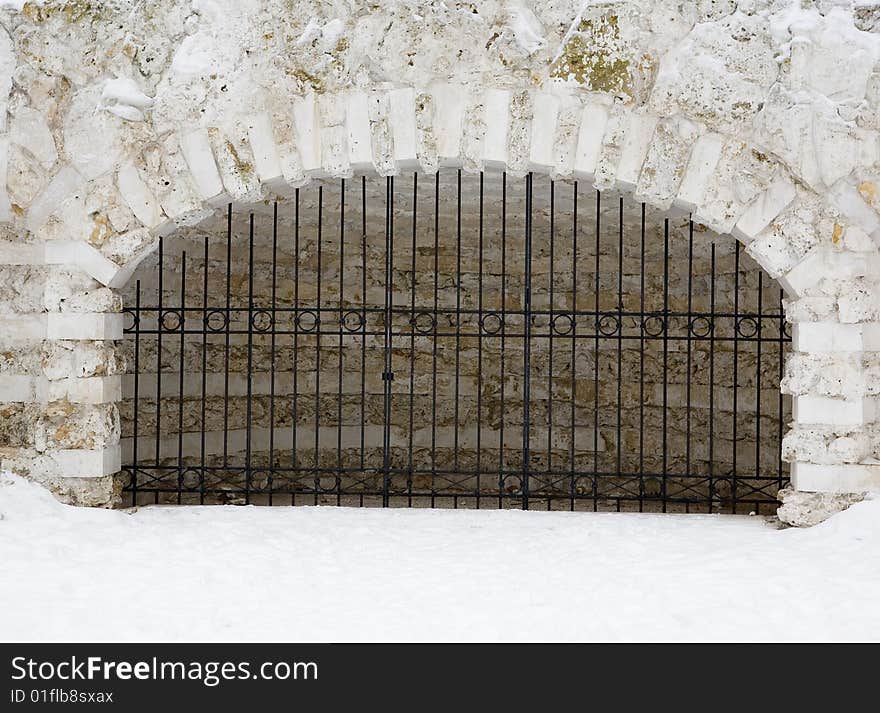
x=527, y=340
x=596, y=288
x=364, y=318
x=273, y=325
x=457, y=387
x=434, y=338
x=690, y=337
x=412, y=340
x=180, y=376
x=736, y=317
x=159, y=357
x=759, y=336
x=573, y=375
x=320, y=267
x=248, y=448
x=137, y=396
x=227, y=329
x=550, y=330
x=712, y=383
x=296, y=321
x=642, y=318
x=204, y=374
x=480, y=268
x=501, y=446
x=339, y=362
x=386, y=376
x=781, y=346
x=665, y=492
x=620, y=340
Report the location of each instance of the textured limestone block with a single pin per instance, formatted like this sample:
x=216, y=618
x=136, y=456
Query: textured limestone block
x=589, y=146
x=357, y=122
x=496, y=103
x=801, y=509
x=235, y=161
x=666, y=161
x=613, y=143
x=196, y=149
x=741, y=174
x=334, y=135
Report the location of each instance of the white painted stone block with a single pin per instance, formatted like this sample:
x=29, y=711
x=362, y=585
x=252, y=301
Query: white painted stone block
x=196, y=149
x=12, y=253
x=65, y=182
x=138, y=196
x=497, y=106
x=638, y=134
x=5, y=203
x=79, y=463
x=545, y=115
x=822, y=337
x=589, y=144
x=765, y=208
x=847, y=199
x=87, y=390
x=85, y=256
x=18, y=388
x=449, y=108
x=306, y=122
x=262, y=141
x=701, y=166
x=402, y=122
x=72, y=325
x=357, y=122
x=831, y=411
x=849, y=478
x=18, y=327
x=825, y=264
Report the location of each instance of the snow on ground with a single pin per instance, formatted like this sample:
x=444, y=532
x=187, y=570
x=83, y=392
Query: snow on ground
x=322, y=574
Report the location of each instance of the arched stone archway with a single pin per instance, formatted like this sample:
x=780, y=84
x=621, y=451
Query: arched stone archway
x=759, y=117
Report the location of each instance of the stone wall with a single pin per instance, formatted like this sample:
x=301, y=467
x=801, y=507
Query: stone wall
x=124, y=121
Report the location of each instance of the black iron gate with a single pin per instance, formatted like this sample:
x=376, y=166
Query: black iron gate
x=460, y=340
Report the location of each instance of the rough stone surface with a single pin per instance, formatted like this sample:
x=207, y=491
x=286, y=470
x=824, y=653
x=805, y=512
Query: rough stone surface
x=801, y=509
x=123, y=121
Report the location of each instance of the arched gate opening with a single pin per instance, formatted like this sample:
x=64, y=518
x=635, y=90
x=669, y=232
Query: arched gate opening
x=455, y=340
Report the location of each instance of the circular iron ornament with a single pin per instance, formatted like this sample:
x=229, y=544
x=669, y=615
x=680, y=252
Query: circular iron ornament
x=512, y=484
x=216, y=320
x=584, y=485
x=747, y=327
x=353, y=321
x=307, y=321
x=654, y=326
x=262, y=320
x=260, y=479
x=562, y=324
x=135, y=320
x=423, y=322
x=190, y=478
x=722, y=489
x=652, y=487
x=608, y=325
x=785, y=330
x=491, y=322
x=701, y=327
x=171, y=320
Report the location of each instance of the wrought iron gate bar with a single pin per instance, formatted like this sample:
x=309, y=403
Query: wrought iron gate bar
x=500, y=378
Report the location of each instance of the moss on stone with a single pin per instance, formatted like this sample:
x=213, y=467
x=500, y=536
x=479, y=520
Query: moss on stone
x=596, y=57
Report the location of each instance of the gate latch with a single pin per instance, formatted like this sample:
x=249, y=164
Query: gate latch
x=387, y=376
